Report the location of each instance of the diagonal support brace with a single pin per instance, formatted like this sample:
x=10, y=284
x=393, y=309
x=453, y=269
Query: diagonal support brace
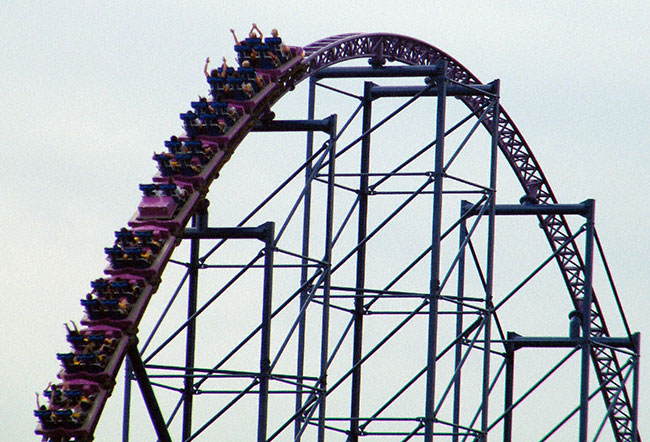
x=147, y=394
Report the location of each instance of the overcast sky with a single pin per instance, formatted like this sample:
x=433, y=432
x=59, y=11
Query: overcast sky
x=89, y=90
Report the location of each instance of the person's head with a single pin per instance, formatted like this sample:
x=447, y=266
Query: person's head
x=274, y=33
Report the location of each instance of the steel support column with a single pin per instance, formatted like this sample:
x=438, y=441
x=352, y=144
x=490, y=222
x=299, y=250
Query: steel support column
x=509, y=388
x=460, y=293
x=490, y=261
x=126, y=411
x=636, y=339
x=434, y=286
x=265, y=351
x=304, y=271
x=586, y=323
x=359, y=299
x=199, y=222
x=329, y=235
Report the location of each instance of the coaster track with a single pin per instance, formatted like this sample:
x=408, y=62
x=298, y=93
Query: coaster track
x=140, y=252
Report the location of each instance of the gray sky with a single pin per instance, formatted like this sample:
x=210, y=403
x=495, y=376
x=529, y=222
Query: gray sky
x=89, y=91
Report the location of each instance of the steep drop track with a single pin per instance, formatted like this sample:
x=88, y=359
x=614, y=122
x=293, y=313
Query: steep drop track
x=141, y=251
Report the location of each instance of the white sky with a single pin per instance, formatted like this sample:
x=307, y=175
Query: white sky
x=90, y=90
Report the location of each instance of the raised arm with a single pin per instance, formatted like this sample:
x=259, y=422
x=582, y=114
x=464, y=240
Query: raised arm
x=224, y=68
x=205, y=68
x=232, y=31
x=251, y=34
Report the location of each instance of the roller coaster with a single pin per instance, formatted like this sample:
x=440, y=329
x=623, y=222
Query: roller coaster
x=344, y=373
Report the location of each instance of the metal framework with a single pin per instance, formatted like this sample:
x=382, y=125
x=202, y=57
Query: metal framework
x=349, y=345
